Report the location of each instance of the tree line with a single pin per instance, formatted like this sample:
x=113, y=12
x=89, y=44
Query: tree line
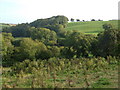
x=78, y=20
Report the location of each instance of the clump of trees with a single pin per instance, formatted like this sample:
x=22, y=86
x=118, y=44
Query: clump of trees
x=7, y=46
x=72, y=19
x=44, y=35
x=77, y=45
x=107, y=42
x=78, y=20
x=55, y=23
x=46, y=38
x=93, y=20
x=20, y=30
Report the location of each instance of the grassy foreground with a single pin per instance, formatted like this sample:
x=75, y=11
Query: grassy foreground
x=62, y=73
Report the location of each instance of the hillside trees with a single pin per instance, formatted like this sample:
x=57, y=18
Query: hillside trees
x=58, y=28
x=72, y=20
x=33, y=49
x=92, y=19
x=28, y=49
x=7, y=47
x=107, y=26
x=78, y=20
x=55, y=20
x=55, y=23
x=51, y=51
x=21, y=30
x=78, y=45
x=61, y=20
x=106, y=43
x=117, y=50
x=44, y=35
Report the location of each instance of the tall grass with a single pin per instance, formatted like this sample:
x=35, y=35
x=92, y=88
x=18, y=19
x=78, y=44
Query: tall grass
x=62, y=73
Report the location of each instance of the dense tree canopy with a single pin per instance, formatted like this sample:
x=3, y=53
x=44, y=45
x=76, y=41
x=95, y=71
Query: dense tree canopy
x=72, y=20
x=44, y=35
x=78, y=44
x=21, y=30
x=107, y=43
x=28, y=49
x=55, y=23
x=7, y=47
x=55, y=20
x=107, y=26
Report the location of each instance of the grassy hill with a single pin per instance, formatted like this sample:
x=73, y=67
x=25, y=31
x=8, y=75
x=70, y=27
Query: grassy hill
x=4, y=25
x=90, y=27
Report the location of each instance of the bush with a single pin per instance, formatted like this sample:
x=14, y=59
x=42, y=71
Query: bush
x=27, y=66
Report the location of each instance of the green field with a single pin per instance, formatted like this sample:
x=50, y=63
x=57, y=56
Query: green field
x=3, y=25
x=90, y=27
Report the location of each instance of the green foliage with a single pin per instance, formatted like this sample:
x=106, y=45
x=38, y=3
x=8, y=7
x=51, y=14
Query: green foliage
x=106, y=44
x=56, y=27
x=107, y=26
x=20, y=30
x=51, y=51
x=44, y=35
x=78, y=44
x=56, y=64
x=67, y=52
x=56, y=72
x=72, y=20
x=55, y=20
x=26, y=66
x=55, y=51
x=112, y=60
x=7, y=47
x=101, y=83
x=55, y=23
x=117, y=49
x=28, y=49
x=3, y=26
x=7, y=36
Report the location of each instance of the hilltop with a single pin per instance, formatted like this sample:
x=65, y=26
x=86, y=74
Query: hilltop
x=90, y=27
x=2, y=25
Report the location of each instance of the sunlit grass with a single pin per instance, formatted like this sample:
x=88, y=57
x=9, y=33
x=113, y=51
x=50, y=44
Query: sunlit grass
x=90, y=27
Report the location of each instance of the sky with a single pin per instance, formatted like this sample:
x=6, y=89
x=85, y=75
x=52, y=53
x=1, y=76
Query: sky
x=23, y=11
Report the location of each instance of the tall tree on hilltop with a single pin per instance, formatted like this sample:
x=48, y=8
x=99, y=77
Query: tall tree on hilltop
x=72, y=20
